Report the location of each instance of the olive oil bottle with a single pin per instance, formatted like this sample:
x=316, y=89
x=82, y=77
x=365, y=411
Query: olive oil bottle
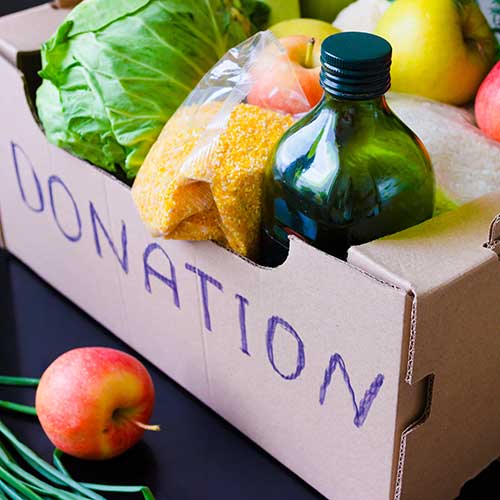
x=349, y=171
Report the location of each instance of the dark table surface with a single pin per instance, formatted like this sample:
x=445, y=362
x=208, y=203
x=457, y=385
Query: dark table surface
x=196, y=456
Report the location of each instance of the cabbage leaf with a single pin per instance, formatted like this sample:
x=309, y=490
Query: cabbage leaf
x=116, y=70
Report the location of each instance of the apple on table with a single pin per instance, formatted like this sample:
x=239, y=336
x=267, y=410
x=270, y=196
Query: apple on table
x=95, y=403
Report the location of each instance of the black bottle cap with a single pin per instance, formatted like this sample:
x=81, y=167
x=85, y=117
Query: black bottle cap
x=355, y=66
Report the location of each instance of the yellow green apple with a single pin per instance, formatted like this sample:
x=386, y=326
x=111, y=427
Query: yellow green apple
x=313, y=28
x=326, y=10
x=442, y=49
x=283, y=9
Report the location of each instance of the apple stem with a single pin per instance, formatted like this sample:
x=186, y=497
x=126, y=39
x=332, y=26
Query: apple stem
x=309, y=60
x=146, y=427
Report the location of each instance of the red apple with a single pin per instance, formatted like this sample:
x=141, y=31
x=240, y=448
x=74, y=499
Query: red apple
x=487, y=105
x=94, y=403
x=289, y=82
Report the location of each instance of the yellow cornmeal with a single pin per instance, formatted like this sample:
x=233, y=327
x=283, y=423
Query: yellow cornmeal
x=157, y=189
x=215, y=195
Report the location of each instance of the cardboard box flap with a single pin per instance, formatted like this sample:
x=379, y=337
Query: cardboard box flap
x=426, y=260
x=455, y=280
x=15, y=38
x=438, y=251
x=457, y=338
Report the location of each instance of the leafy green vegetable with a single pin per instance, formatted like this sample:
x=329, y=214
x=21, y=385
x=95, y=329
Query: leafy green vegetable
x=116, y=70
x=259, y=12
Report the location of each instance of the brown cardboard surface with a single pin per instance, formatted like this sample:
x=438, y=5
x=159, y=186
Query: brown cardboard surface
x=26, y=236
x=427, y=258
x=315, y=293
x=160, y=321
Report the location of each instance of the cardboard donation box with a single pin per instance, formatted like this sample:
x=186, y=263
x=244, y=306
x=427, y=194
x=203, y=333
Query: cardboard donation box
x=373, y=379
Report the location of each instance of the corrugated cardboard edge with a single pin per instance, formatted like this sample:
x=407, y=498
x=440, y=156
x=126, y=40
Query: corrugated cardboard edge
x=402, y=448
x=464, y=229
x=420, y=418
x=414, y=417
x=487, y=206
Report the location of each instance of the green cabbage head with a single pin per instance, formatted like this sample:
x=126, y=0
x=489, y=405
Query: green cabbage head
x=116, y=70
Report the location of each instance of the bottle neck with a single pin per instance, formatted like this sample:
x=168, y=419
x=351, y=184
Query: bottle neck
x=378, y=103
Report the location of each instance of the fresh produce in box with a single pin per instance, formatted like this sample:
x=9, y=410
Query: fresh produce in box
x=274, y=89
x=442, y=48
x=487, y=106
x=114, y=74
x=312, y=28
x=116, y=71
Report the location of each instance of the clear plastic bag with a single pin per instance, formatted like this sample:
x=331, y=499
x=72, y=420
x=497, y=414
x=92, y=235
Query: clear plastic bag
x=202, y=179
x=466, y=162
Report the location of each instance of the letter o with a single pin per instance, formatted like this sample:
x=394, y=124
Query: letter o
x=16, y=149
x=301, y=357
x=54, y=179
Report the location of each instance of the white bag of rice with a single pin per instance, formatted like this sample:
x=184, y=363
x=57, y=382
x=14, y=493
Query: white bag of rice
x=466, y=162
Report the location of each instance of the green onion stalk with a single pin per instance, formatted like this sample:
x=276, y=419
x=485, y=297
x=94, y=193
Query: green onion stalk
x=42, y=480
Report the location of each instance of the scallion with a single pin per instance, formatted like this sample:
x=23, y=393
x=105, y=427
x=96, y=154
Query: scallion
x=19, y=381
x=27, y=410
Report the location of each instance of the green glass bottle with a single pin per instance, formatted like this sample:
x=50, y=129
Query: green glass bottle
x=349, y=171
